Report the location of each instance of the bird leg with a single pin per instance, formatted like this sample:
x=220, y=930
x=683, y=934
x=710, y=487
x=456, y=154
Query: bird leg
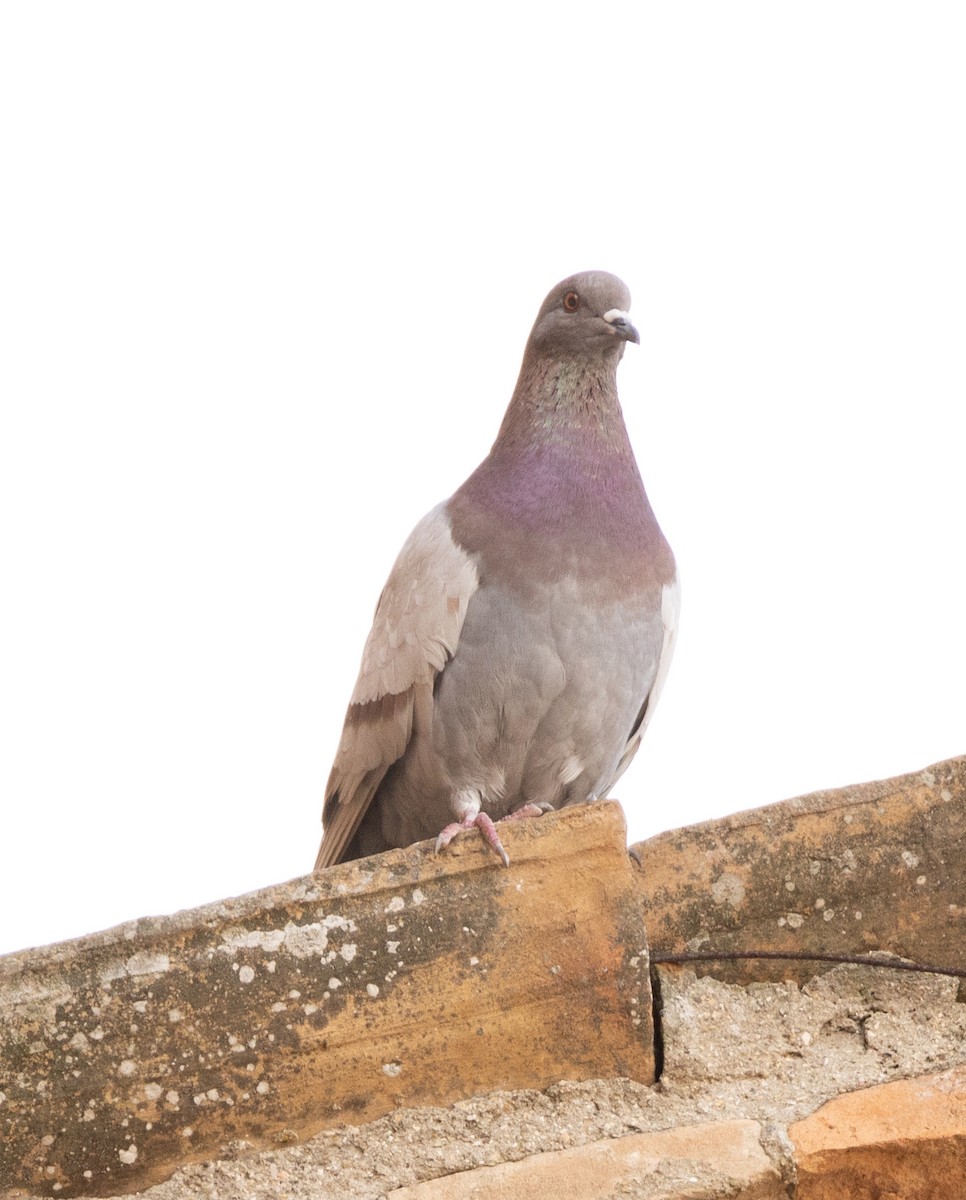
x=486, y=827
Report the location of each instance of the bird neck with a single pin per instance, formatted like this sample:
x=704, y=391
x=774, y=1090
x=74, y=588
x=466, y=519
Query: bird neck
x=562, y=454
x=562, y=477
x=567, y=404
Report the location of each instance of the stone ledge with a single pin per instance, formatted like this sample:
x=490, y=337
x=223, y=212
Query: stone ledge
x=405, y=982
x=877, y=866
x=768, y=1054
x=399, y=980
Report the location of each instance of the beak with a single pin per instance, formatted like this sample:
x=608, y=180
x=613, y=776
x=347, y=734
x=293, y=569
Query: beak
x=621, y=326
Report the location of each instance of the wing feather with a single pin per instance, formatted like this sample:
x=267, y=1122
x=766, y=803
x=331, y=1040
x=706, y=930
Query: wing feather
x=414, y=634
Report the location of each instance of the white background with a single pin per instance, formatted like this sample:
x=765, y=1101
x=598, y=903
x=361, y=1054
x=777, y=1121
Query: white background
x=267, y=273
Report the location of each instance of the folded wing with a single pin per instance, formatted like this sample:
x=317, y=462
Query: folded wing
x=414, y=634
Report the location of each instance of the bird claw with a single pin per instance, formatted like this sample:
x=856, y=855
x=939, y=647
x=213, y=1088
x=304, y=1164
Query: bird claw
x=528, y=810
x=487, y=831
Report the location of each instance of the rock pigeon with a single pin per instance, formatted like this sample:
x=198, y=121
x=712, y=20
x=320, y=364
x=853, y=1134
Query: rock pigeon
x=522, y=639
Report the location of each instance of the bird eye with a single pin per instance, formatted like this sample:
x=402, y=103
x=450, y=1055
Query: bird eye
x=571, y=302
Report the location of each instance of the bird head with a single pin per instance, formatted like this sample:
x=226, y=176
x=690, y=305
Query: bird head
x=585, y=316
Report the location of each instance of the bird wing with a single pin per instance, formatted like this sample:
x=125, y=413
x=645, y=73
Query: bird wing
x=670, y=607
x=414, y=634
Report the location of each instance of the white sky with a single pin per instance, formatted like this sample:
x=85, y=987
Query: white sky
x=266, y=275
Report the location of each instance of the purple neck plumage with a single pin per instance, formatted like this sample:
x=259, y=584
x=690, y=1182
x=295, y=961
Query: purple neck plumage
x=562, y=458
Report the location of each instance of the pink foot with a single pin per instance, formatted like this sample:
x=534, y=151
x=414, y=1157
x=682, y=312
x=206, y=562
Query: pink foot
x=528, y=810
x=486, y=827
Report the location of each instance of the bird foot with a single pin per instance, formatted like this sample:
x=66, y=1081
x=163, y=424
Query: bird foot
x=528, y=810
x=487, y=831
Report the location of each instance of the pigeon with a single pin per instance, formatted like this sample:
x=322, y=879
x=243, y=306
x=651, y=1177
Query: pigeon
x=525, y=631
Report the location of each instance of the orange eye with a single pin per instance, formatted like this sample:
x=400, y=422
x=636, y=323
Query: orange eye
x=571, y=302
